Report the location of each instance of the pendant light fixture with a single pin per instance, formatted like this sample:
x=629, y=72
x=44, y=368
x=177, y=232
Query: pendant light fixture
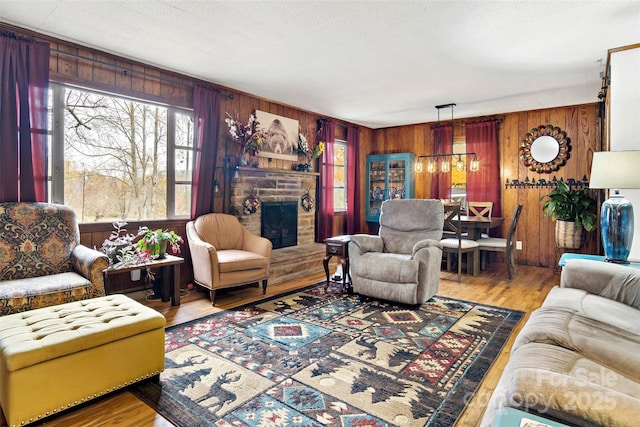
x=448, y=158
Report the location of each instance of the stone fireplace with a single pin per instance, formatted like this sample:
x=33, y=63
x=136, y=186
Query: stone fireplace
x=275, y=185
x=275, y=188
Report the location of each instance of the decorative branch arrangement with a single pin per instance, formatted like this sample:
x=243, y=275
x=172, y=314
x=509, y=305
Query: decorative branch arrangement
x=249, y=137
x=308, y=148
x=543, y=183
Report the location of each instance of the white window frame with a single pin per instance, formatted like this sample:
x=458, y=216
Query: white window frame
x=346, y=178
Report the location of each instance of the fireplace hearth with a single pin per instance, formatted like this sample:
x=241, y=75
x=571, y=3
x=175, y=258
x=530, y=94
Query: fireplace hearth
x=279, y=223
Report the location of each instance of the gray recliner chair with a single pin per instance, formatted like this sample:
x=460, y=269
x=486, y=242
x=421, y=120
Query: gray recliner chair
x=401, y=263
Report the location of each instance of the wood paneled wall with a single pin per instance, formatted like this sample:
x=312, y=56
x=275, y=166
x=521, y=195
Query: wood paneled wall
x=132, y=78
x=537, y=233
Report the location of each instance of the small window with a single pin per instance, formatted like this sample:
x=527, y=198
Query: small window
x=459, y=174
x=340, y=176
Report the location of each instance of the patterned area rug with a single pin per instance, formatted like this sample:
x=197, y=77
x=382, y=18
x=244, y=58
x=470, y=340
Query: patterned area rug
x=316, y=358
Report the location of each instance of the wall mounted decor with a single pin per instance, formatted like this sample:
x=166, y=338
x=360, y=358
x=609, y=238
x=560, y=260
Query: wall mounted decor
x=251, y=203
x=545, y=149
x=306, y=201
x=282, y=136
x=543, y=183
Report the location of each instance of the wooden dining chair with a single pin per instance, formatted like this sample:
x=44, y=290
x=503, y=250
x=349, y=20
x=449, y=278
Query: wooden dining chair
x=453, y=242
x=483, y=209
x=497, y=244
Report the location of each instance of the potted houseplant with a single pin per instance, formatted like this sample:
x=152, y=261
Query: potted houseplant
x=155, y=243
x=121, y=246
x=573, y=210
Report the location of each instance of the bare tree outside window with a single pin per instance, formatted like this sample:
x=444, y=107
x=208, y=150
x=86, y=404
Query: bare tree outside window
x=116, y=158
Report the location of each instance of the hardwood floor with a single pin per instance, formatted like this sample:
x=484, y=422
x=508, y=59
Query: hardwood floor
x=525, y=292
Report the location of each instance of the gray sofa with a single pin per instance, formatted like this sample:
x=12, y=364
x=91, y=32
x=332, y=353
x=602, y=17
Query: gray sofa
x=402, y=263
x=577, y=359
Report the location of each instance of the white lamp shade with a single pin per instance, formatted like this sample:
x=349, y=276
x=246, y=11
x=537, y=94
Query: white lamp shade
x=615, y=169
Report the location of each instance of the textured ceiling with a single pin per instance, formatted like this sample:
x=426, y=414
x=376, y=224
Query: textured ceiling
x=374, y=63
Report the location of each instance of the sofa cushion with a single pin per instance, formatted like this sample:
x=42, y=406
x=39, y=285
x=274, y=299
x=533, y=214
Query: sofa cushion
x=386, y=267
x=617, y=282
x=37, y=292
x=403, y=223
x=595, y=307
x=560, y=383
x=221, y=230
x=237, y=260
x=591, y=338
x=36, y=240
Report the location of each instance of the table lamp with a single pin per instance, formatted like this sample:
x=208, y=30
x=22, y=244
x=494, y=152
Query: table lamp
x=614, y=170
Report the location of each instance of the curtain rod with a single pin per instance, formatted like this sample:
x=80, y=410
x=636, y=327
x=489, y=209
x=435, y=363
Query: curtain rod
x=128, y=70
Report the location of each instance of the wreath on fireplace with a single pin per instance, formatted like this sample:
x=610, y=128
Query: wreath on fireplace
x=306, y=201
x=251, y=203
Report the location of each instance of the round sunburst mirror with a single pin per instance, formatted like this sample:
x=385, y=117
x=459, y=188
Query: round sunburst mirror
x=545, y=149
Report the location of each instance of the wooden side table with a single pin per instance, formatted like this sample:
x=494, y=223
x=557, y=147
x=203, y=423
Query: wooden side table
x=338, y=246
x=170, y=266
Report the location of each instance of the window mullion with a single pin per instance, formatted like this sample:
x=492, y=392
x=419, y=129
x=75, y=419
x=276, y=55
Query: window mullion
x=171, y=164
x=57, y=146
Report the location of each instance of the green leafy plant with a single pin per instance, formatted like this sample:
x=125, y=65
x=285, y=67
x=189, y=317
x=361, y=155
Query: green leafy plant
x=151, y=241
x=575, y=205
x=121, y=246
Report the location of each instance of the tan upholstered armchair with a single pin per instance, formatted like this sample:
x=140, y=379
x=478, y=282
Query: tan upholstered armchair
x=402, y=263
x=42, y=262
x=225, y=254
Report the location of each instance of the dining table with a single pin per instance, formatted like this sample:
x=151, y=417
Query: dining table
x=474, y=225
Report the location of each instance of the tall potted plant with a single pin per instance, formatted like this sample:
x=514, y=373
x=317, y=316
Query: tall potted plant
x=573, y=210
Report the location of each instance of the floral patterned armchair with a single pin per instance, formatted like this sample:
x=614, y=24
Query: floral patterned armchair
x=42, y=262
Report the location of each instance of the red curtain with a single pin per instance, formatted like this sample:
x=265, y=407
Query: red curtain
x=484, y=185
x=353, y=173
x=442, y=144
x=206, y=113
x=325, y=213
x=24, y=85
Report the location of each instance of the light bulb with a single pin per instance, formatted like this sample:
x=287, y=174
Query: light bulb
x=431, y=166
x=460, y=164
x=418, y=166
x=475, y=165
x=446, y=166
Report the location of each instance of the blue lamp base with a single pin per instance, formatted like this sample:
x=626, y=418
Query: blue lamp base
x=616, y=224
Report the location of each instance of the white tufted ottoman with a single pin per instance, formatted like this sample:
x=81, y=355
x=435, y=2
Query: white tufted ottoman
x=54, y=358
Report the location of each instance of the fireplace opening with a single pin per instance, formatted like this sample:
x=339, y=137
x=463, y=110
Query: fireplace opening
x=279, y=223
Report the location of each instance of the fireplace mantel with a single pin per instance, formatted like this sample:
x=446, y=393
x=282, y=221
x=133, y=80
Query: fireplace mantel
x=248, y=169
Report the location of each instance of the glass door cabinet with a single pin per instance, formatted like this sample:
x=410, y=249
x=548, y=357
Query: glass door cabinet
x=389, y=176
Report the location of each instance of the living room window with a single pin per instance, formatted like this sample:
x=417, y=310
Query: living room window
x=340, y=176
x=115, y=158
x=459, y=175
